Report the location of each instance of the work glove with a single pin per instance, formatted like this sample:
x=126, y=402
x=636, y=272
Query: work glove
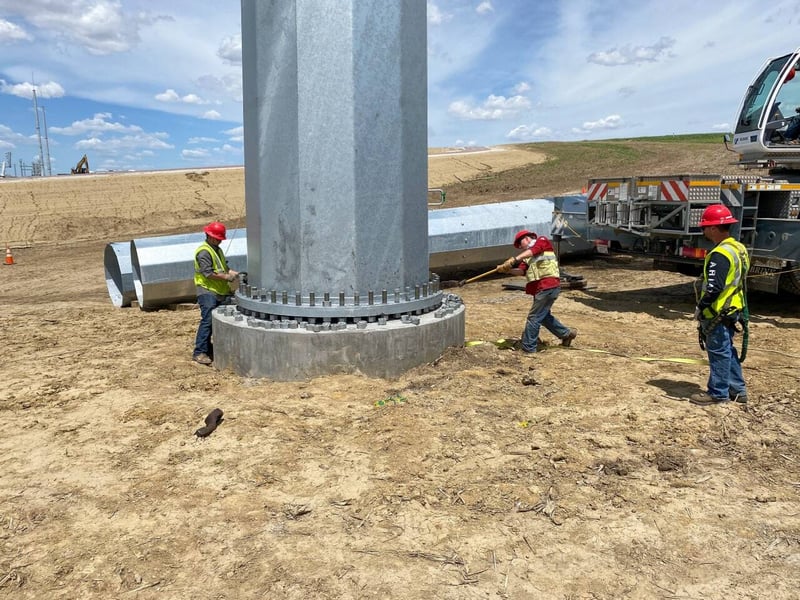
x=507, y=265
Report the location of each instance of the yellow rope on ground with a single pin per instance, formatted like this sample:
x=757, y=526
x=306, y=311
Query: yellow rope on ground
x=685, y=361
x=505, y=344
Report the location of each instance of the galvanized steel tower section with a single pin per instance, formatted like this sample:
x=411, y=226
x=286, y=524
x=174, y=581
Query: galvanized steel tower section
x=335, y=111
x=335, y=127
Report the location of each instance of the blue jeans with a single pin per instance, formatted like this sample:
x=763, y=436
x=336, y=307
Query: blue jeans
x=540, y=315
x=793, y=130
x=725, y=379
x=202, y=342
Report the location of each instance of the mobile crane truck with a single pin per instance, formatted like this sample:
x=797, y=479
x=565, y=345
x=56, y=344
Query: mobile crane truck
x=659, y=216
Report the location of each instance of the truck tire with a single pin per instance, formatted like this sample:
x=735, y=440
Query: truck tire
x=790, y=282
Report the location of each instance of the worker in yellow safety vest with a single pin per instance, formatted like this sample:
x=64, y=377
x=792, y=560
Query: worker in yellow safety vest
x=721, y=306
x=539, y=263
x=212, y=278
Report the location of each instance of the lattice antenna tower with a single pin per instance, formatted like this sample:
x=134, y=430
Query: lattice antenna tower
x=38, y=133
x=49, y=163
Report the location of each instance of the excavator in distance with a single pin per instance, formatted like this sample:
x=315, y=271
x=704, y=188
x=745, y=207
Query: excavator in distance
x=82, y=168
x=659, y=216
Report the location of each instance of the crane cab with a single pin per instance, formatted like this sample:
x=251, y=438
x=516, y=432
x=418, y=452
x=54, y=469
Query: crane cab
x=767, y=132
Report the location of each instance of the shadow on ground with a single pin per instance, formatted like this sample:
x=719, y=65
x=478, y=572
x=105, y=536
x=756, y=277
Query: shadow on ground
x=679, y=390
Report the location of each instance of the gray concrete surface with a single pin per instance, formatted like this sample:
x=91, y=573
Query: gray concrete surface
x=294, y=354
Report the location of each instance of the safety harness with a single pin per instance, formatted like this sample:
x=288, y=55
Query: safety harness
x=728, y=313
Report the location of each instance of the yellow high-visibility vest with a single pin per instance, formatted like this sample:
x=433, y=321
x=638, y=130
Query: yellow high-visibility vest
x=732, y=295
x=541, y=266
x=218, y=286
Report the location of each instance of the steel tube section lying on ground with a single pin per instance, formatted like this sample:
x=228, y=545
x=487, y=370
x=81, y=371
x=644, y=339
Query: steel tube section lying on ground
x=160, y=270
x=119, y=273
x=163, y=267
x=474, y=237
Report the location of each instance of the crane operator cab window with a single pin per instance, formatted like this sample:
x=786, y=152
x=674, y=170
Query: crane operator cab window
x=783, y=126
x=770, y=103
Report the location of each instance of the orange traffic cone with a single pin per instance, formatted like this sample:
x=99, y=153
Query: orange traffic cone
x=9, y=256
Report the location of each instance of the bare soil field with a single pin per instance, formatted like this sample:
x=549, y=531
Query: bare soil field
x=579, y=473
x=112, y=206
x=457, y=165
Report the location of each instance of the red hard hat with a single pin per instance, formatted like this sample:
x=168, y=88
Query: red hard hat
x=216, y=230
x=790, y=75
x=716, y=214
x=522, y=234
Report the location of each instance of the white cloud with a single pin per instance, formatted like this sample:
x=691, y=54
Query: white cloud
x=721, y=127
x=11, y=32
x=484, y=8
x=492, y=109
x=171, y=95
x=521, y=87
x=609, y=122
x=211, y=115
x=194, y=154
x=25, y=90
x=154, y=141
x=632, y=55
x=456, y=40
x=168, y=96
x=230, y=50
x=193, y=99
x=436, y=16
x=526, y=133
x=226, y=85
x=101, y=27
x=112, y=138
x=9, y=138
x=97, y=124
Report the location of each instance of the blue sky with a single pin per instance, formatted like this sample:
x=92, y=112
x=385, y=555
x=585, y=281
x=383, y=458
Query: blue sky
x=141, y=85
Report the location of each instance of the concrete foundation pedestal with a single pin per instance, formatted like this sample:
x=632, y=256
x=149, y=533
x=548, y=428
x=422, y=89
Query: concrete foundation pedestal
x=285, y=351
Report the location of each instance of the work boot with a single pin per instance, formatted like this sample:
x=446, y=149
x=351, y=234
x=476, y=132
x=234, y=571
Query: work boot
x=703, y=399
x=741, y=397
x=566, y=341
x=202, y=358
x=541, y=346
x=515, y=344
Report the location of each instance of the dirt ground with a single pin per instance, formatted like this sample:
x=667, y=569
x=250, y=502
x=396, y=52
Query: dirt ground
x=579, y=473
x=451, y=165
